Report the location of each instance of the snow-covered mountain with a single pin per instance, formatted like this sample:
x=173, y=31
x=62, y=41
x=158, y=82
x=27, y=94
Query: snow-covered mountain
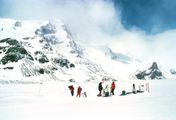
x=46, y=50
x=36, y=50
x=117, y=56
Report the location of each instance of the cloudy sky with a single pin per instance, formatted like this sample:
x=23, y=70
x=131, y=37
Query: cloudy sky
x=145, y=28
x=151, y=16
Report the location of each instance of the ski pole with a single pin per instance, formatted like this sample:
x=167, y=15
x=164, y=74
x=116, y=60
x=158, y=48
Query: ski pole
x=40, y=88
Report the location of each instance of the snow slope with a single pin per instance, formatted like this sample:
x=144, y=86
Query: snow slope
x=54, y=55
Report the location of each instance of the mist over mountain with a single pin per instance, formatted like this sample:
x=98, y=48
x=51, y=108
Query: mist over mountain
x=42, y=50
x=46, y=50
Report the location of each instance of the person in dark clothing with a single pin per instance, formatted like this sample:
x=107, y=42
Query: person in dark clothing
x=100, y=88
x=71, y=89
x=112, y=88
x=79, y=91
x=134, y=89
x=84, y=94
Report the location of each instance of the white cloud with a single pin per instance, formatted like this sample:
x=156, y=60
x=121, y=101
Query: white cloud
x=98, y=22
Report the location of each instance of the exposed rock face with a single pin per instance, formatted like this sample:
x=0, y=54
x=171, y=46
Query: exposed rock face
x=46, y=29
x=64, y=63
x=43, y=50
x=153, y=72
x=173, y=71
x=18, y=24
x=41, y=57
x=14, y=51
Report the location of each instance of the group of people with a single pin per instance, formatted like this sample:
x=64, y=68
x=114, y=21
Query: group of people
x=79, y=90
x=141, y=89
x=106, y=91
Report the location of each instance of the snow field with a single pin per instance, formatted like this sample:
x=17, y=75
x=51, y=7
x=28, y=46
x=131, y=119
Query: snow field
x=23, y=102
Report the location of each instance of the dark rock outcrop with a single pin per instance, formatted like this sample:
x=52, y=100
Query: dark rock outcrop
x=41, y=57
x=14, y=52
x=173, y=71
x=46, y=29
x=153, y=72
x=18, y=24
x=64, y=63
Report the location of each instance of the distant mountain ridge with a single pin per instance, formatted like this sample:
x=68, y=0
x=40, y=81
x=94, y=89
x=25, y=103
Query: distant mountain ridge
x=118, y=56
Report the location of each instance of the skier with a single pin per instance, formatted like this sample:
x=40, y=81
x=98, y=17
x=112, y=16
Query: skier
x=79, y=91
x=112, y=88
x=71, y=89
x=100, y=88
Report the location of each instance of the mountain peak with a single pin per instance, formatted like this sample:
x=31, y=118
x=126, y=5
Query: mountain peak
x=42, y=49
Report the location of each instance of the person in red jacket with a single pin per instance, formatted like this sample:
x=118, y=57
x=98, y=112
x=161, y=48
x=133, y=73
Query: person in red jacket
x=79, y=91
x=112, y=88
